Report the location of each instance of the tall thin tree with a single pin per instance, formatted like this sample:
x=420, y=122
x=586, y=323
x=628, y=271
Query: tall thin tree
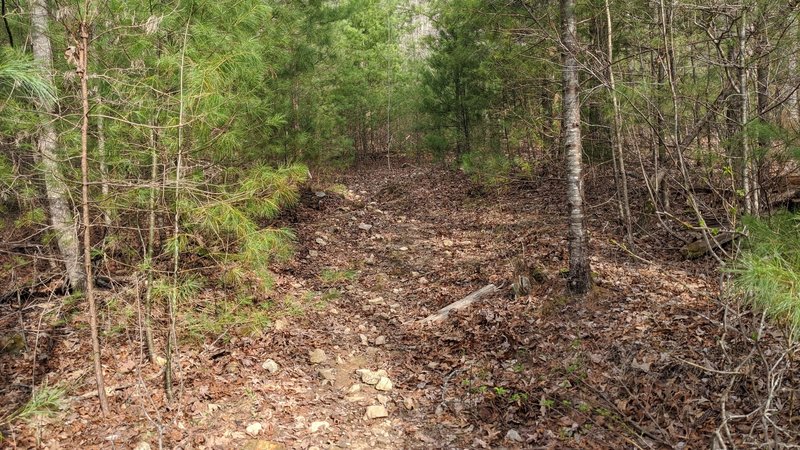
x=61, y=215
x=580, y=280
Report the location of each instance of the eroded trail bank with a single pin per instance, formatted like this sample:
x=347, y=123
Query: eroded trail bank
x=379, y=249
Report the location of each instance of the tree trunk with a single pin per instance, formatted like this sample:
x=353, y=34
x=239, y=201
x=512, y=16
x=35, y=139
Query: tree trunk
x=579, y=272
x=61, y=215
x=619, y=160
x=83, y=66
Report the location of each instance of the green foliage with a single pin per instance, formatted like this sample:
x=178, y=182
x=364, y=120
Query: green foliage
x=18, y=72
x=488, y=169
x=45, y=401
x=242, y=315
x=767, y=272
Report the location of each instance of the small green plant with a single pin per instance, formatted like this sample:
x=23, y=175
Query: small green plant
x=501, y=391
x=46, y=401
x=547, y=403
x=333, y=276
x=584, y=408
x=767, y=272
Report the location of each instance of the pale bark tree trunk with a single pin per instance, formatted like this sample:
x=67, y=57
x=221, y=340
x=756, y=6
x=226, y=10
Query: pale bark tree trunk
x=61, y=214
x=83, y=68
x=579, y=272
x=749, y=200
x=619, y=159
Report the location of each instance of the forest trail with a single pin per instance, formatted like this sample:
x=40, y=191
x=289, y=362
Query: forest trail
x=383, y=248
x=400, y=244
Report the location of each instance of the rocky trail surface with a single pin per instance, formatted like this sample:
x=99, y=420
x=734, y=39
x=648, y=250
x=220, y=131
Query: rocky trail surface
x=346, y=364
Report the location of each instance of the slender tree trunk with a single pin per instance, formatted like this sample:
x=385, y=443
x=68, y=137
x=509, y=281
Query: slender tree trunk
x=619, y=159
x=743, y=116
x=61, y=215
x=579, y=272
x=83, y=67
x=101, y=154
x=148, y=258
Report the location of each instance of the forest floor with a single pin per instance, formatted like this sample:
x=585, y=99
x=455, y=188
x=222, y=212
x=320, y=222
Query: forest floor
x=379, y=251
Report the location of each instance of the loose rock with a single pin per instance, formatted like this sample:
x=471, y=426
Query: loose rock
x=364, y=226
x=376, y=412
x=321, y=425
x=384, y=384
x=380, y=340
x=513, y=435
x=317, y=356
x=270, y=366
x=254, y=428
x=370, y=377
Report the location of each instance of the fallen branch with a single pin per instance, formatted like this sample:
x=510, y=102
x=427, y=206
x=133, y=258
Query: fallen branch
x=461, y=304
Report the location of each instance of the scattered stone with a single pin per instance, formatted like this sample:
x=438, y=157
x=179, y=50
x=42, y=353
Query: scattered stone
x=254, y=428
x=354, y=388
x=364, y=226
x=384, y=384
x=321, y=241
x=376, y=301
x=142, y=446
x=370, y=259
x=320, y=194
x=321, y=425
x=339, y=360
x=355, y=398
x=380, y=340
x=376, y=412
x=364, y=340
x=447, y=243
x=317, y=356
x=513, y=435
x=327, y=374
x=403, y=249
x=408, y=402
x=423, y=280
x=371, y=378
x=260, y=444
x=383, y=400
x=270, y=366
x=313, y=253
x=280, y=324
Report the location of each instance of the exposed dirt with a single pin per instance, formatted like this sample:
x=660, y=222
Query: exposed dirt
x=611, y=371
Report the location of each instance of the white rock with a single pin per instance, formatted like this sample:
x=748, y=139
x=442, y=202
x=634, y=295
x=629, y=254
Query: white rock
x=408, y=402
x=364, y=226
x=321, y=241
x=376, y=412
x=382, y=399
x=317, y=356
x=354, y=388
x=364, y=340
x=403, y=249
x=380, y=340
x=142, y=446
x=320, y=194
x=254, y=428
x=513, y=435
x=327, y=374
x=384, y=384
x=370, y=377
x=321, y=425
x=447, y=243
x=280, y=324
x=313, y=253
x=376, y=301
x=270, y=366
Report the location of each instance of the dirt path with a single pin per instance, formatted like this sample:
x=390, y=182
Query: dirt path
x=383, y=249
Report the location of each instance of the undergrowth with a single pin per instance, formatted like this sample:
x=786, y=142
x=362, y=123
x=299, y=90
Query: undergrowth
x=767, y=271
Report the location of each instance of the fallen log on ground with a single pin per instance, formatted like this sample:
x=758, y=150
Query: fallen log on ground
x=700, y=247
x=461, y=304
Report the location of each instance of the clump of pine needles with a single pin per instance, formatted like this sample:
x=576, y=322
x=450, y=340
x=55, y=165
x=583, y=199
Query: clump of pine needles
x=767, y=271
